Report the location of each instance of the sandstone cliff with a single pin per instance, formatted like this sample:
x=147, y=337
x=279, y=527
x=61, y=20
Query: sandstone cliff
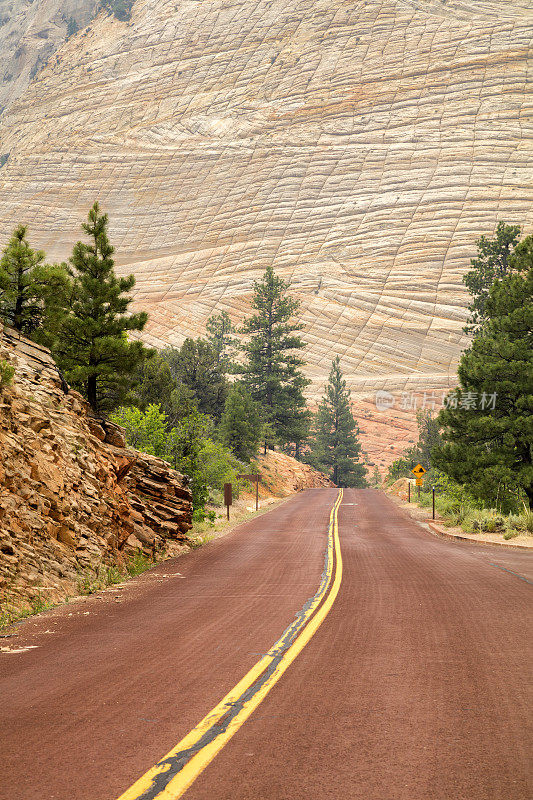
x=361, y=147
x=72, y=496
x=30, y=33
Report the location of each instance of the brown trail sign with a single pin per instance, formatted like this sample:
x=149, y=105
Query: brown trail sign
x=228, y=496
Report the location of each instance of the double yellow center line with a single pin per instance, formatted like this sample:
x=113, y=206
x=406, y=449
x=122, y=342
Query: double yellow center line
x=173, y=774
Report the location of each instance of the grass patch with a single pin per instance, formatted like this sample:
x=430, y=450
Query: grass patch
x=91, y=581
x=197, y=541
x=458, y=512
x=11, y=612
x=138, y=563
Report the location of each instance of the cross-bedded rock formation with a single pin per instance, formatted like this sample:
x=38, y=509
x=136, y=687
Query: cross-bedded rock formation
x=361, y=146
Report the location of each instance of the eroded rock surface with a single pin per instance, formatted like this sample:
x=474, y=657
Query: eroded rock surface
x=72, y=496
x=31, y=31
x=282, y=475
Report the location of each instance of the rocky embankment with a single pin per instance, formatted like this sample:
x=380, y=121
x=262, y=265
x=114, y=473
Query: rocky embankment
x=73, y=497
x=282, y=475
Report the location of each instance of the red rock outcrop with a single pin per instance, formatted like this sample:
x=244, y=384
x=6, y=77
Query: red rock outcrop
x=73, y=497
x=282, y=475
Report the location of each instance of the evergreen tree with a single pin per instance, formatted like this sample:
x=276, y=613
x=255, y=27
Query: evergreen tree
x=183, y=403
x=488, y=423
x=121, y=9
x=32, y=293
x=240, y=426
x=337, y=449
x=220, y=335
x=272, y=369
x=376, y=479
x=195, y=365
x=429, y=437
x=154, y=384
x=493, y=263
x=93, y=349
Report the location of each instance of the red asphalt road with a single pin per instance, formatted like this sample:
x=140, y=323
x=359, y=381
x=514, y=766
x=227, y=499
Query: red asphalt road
x=415, y=687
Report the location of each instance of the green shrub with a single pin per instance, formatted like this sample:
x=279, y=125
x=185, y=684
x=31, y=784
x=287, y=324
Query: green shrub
x=121, y=9
x=519, y=523
x=527, y=516
x=511, y=534
x=6, y=373
x=484, y=521
x=202, y=514
x=72, y=27
x=11, y=612
x=138, y=563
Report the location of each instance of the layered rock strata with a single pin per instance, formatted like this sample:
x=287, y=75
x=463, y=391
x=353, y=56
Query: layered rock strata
x=72, y=496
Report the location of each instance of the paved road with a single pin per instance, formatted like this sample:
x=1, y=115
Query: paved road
x=415, y=686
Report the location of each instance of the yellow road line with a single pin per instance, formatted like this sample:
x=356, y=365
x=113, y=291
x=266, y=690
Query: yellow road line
x=190, y=757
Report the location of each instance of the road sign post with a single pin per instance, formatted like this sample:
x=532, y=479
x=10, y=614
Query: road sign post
x=418, y=471
x=254, y=478
x=228, y=497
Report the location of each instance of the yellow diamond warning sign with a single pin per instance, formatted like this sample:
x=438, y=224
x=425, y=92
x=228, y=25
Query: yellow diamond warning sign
x=418, y=471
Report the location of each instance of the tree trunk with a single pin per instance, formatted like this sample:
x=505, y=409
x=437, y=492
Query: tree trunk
x=17, y=311
x=91, y=392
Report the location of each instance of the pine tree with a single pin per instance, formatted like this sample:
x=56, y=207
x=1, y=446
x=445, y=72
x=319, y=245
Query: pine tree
x=272, y=369
x=32, y=293
x=376, y=479
x=493, y=263
x=195, y=365
x=337, y=449
x=488, y=421
x=154, y=384
x=429, y=437
x=93, y=349
x=220, y=335
x=240, y=426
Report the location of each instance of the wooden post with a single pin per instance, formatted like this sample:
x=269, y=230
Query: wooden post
x=254, y=478
x=228, y=499
x=433, y=488
x=409, y=492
